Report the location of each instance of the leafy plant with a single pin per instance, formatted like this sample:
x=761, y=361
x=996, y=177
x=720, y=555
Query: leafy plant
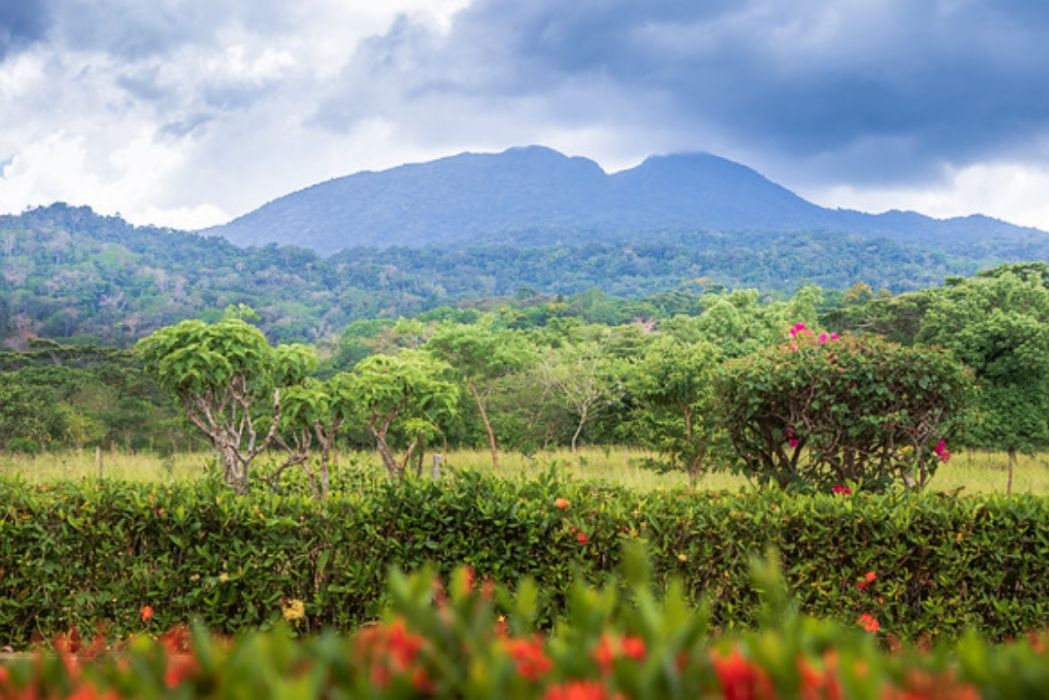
x=822, y=411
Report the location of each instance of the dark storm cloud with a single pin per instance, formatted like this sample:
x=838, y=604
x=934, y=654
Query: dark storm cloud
x=892, y=88
x=21, y=23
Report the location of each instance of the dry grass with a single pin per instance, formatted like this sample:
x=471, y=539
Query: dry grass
x=980, y=472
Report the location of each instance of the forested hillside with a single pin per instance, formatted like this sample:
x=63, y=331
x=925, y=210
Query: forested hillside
x=540, y=373
x=68, y=273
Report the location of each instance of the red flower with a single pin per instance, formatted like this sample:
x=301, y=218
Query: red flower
x=605, y=654
x=582, y=538
x=528, y=654
x=576, y=690
x=633, y=647
x=179, y=668
x=793, y=442
x=841, y=490
x=740, y=679
x=146, y=613
x=868, y=579
x=869, y=623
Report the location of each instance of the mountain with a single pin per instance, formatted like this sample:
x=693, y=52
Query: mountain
x=531, y=192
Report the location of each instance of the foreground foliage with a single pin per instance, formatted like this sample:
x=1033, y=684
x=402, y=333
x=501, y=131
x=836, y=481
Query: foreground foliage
x=89, y=556
x=474, y=639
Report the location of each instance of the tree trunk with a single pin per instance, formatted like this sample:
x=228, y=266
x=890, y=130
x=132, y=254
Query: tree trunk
x=388, y=460
x=578, y=430
x=1012, y=465
x=487, y=424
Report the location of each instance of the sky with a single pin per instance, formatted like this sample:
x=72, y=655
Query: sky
x=188, y=113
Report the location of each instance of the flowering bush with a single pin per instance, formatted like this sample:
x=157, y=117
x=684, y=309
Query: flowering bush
x=474, y=641
x=126, y=558
x=823, y=410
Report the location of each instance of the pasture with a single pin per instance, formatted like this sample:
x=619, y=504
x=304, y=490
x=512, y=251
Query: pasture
x=969, y=472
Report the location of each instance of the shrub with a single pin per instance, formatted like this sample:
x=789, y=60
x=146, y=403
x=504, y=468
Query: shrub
x=89, y=556
x=822, y=411
x=477, y=640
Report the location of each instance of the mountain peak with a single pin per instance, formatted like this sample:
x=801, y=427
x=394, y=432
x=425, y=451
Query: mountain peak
x=474, y=196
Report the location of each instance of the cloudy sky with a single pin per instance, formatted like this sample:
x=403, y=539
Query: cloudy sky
x=189, y=112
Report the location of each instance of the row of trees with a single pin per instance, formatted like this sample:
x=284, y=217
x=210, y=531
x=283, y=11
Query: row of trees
x=813, y=412
x=520, y=379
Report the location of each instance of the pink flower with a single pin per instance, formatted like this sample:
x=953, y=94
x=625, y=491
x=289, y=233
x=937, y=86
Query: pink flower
x=835, y=335
x=793, y=346
x=793, y=442
x=822, y=340
x=942, y=452
x=799, y=327
x=842, y=490
x=793, y=332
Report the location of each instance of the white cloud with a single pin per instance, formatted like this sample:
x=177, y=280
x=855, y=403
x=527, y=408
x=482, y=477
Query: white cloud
x=189, y=114
x=1010, y=191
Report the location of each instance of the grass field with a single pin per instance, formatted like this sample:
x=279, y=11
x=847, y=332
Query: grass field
x=980, y=472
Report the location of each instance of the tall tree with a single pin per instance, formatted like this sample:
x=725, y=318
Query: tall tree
x=228, y=380
x=673, y=385
x=394, y=393
x=480, y=357
x=998, y=324
x=586, y=379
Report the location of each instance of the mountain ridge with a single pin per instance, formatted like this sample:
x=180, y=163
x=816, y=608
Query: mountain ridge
x=471, y=196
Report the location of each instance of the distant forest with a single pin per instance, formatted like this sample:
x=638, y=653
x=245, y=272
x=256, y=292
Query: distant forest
x=67, y=273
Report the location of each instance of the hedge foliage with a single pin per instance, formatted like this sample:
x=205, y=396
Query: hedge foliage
x=91, y=555
x=463, y=638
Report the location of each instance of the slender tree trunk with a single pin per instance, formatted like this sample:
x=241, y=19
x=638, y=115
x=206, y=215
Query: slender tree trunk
x=487, y=424
x=579, y=430
x=1012, y=466
x=388, y=460
x=325, y=471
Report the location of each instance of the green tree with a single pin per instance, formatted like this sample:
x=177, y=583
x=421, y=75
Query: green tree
x=314, y=410
x=480, y=357
x=228, y=380
x=401, y=393
x=585, y=379
x=673, y=385
x=998, y=324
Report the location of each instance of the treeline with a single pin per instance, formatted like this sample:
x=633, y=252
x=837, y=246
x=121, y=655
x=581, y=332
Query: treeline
x=534, y=376
x=67, y=273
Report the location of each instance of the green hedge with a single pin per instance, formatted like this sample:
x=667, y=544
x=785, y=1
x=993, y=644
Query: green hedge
x=91, y=556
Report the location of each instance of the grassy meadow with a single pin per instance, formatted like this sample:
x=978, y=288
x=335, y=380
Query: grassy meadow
x=971, y=472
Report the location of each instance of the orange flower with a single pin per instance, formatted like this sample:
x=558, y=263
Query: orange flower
x=562, y=503
x=869, y=623
x=576, y=690
x=582, y=538
x=179, y=668
x=146, y=613
x=528, y=654
x=88, y=692
x=820, y=686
